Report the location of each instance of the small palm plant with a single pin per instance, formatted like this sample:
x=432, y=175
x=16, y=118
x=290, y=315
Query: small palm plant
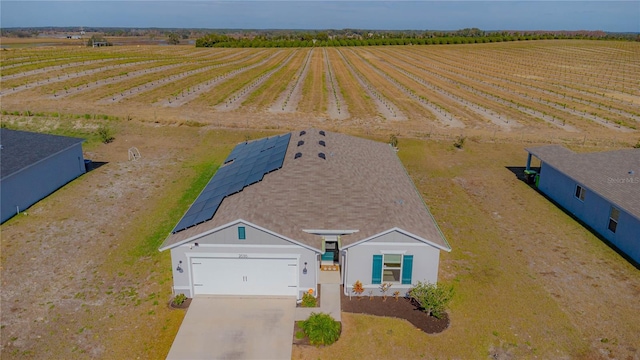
x=358, y=289
x=384, y=288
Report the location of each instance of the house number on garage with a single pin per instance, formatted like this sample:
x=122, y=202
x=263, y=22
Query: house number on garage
x=243, y=256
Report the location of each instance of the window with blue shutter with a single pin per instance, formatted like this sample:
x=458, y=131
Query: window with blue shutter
x=376, y=274
x=407, y=268
x=241, y=233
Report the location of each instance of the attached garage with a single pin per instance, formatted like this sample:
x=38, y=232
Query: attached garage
x=245, y=275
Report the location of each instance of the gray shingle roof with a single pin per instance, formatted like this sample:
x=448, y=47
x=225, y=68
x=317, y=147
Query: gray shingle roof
x=360, y=185
x=615, y=175
x=21, y=149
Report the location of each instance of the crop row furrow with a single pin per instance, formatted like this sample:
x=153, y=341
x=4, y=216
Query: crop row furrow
x=284, y=102
x=235, y=100
x=555, y=71
x=493, y=116
x=439, y=111
x=193, y=92
x=523, y=95
x=56, y=67
x=132, y=91
x=385, y=106
x=61, y=78
x=337, y=101
x=111, y=80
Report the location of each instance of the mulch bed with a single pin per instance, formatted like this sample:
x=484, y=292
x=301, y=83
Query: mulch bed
x=403, y=309
x=184, y=305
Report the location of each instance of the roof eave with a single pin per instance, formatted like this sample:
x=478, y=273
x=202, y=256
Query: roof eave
x=232, y=223
x=409, y=234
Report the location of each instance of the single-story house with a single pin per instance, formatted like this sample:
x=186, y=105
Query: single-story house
x=34, y=165
x=602, y=189
x=281, y=209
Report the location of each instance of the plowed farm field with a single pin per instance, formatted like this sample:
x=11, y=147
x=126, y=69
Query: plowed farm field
x=536, y=90
x=81, y=274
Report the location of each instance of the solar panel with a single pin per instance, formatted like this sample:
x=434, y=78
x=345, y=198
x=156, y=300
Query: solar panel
x=247, y=164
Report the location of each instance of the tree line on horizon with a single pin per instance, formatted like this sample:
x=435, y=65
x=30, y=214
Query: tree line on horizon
x=350, y=38
x=329, y=37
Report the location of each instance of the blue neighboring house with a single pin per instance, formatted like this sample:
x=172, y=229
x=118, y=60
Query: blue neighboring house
x=34, y=165
x=601, y=189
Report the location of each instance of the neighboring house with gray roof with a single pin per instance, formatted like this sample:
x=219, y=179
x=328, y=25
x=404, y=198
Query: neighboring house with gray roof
x=602, y=189
x=34, y=165
x=282, y=209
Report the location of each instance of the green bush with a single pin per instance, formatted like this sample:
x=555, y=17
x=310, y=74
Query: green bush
x=105, y=135
x=321, y=329
x=308, y=300
x=432, y=299
x=179, y=299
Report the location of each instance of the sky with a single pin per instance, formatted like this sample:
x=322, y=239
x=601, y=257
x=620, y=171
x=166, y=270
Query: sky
x=607, y=15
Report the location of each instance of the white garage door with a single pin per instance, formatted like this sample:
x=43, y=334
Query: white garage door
x=245, y=276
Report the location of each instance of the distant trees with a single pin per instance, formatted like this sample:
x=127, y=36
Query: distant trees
x=173, y=39
x=350, y=37
x=98, y=39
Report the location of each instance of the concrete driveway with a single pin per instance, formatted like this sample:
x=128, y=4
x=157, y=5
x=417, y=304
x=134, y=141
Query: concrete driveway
x=231, y=327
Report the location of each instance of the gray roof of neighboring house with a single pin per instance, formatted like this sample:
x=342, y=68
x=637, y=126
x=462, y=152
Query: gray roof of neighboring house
x=361, y=185
x=21, y=149
x=615, y=175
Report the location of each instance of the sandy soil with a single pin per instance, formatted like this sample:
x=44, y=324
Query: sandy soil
x=289, y=99
x=69, y=76
x=236, y=99
x=385, y=107
x=337, y=107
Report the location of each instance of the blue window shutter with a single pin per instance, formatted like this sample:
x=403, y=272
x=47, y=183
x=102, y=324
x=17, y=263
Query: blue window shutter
x=407, y=268
x=376, y=276
x=241, y=233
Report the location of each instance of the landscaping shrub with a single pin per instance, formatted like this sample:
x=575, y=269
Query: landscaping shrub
x=460, y=141
x=179, y=299
x=308, y=300
x=321, y=329
x=104, y=132
x=432, y=299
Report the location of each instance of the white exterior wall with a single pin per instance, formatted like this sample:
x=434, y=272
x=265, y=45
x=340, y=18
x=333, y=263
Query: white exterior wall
x=359, y=261
x=258, y=243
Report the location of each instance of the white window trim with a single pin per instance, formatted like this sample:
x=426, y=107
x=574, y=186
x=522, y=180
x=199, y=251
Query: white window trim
x=392, y=252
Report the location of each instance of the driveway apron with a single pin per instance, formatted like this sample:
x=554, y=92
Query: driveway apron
x=233, y=327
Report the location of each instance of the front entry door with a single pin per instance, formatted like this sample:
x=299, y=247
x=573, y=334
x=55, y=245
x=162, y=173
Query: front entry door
x=331, y=251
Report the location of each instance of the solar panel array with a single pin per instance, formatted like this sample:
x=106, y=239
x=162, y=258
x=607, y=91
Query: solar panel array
x=247, y=164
